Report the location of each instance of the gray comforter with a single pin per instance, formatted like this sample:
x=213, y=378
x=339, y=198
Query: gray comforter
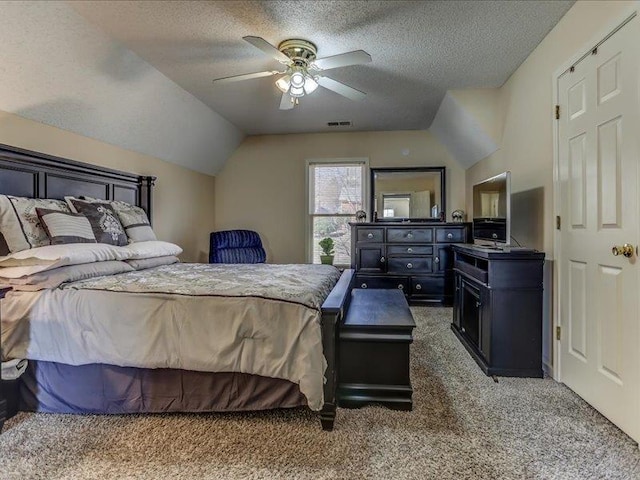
x=259, y=319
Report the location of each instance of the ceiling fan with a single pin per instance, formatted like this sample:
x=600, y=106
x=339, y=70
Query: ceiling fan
x=303, y=71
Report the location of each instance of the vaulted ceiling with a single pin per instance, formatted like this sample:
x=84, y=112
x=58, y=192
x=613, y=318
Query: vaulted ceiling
x=420, y=49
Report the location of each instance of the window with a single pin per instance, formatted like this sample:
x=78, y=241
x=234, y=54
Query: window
x=336, y=192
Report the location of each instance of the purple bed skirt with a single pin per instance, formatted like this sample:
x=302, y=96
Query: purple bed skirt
x=97, y=388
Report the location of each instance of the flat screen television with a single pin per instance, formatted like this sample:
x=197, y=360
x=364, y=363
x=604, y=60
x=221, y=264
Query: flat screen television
x=492, y=210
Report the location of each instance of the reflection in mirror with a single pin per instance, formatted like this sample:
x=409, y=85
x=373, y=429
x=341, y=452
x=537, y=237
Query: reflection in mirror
x=407, y=193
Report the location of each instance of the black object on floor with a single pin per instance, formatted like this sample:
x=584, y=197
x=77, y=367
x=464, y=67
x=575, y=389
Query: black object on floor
x=374, y=350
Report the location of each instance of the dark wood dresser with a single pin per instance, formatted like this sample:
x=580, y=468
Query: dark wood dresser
x=415, y=257
x=3, y=402
x=497, y=312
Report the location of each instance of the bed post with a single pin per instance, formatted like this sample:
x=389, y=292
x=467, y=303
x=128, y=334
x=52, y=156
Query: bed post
x=333, y=310
x=145, y=191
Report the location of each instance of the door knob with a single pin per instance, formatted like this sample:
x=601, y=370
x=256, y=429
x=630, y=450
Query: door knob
x=627, y=250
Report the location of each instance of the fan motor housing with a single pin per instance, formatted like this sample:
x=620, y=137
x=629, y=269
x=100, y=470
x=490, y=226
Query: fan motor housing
x=301, y=52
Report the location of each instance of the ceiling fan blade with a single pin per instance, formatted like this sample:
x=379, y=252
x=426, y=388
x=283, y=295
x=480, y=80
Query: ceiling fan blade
x=286, y=102
x=246, y=76
x=267, y=48
x=341, y=88
x=357, y=57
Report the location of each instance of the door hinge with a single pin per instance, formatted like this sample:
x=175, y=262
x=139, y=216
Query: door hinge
x=557, y=112
x=558, y=222
x=558, y=332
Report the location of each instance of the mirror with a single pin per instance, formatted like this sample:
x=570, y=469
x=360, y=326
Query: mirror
x=406, y=194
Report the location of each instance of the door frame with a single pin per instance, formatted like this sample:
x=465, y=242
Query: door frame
x=628, y=13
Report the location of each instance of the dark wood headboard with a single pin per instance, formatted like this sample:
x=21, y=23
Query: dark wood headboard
x=25, y=173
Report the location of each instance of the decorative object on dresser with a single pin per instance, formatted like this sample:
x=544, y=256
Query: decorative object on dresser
x=457, y=215
x=403, y=194
x=414, y=257
x=361, y=216
x=374, y=350
x=497, y=312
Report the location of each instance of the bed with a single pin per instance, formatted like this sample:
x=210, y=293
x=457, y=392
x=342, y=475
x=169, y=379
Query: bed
x=179, y=354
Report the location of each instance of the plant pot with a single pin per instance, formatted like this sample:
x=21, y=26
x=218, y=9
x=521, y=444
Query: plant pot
x=326, y=259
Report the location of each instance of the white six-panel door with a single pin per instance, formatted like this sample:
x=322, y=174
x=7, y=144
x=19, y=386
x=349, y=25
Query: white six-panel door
x=598, y=156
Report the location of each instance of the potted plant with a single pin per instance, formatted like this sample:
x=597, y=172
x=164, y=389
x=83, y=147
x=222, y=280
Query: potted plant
x=327, y=244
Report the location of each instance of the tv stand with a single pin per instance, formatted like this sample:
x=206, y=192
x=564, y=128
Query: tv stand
x=497, y=308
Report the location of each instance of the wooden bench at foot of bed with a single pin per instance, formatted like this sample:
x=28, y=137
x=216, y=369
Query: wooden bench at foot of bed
x=374, y=345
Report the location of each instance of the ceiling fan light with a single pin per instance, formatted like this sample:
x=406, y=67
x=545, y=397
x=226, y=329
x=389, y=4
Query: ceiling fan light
x=310, y=84
x=283, y=83
x=296, y=91
x=297, y=80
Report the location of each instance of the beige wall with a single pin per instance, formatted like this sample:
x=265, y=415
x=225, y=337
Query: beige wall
x=262, y=186
x=483, y=105
x=183, y=199
x=525, y=102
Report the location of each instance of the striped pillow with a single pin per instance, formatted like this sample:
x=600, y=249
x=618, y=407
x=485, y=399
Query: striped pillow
x=62, y=227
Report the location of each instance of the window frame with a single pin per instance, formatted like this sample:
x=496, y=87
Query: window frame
x=308, y=190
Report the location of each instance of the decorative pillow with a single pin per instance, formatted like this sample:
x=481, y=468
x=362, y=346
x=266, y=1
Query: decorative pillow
x=135, y=222
x=104, y=221
x=152, y=249
x=63, y=227
x=19, y=223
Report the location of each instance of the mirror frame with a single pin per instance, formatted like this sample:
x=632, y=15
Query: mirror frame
x=443, y=193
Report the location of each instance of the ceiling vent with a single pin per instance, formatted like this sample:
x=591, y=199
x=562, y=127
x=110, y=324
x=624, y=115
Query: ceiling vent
x=345, y=123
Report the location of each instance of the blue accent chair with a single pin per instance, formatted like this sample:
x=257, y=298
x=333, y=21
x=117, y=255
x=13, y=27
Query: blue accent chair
x=236, y=246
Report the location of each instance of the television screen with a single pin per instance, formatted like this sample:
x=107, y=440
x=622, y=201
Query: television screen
x=492, y=209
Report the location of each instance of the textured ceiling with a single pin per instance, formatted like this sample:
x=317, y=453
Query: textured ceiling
x=420, y=49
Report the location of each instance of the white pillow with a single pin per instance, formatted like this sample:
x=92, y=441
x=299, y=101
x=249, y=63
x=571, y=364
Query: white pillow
x=145, y=263
x=54, y=256
x=53, y=278
x=151, y=249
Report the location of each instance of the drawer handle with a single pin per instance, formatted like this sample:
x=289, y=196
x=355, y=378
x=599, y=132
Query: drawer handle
x=409, y=265
x=409, y=250
x=418, y=287
x=382, y=260
x=369, y=235
x=449, y=236
x=401, y=287
x=409, y=235
x=437, y=260
x=364, y=285
x=478, y=304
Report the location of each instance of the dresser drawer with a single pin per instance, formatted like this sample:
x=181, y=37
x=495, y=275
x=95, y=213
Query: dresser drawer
x=382, y=282
x=410, y=250
x=371, y=234
x=409, y=265
x=431, y=286
x=410, y=235
x=450, y=235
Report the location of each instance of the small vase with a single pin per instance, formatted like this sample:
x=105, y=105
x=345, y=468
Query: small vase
x=326, y=259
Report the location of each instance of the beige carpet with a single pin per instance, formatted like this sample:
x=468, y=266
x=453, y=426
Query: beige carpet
x=463, y=426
